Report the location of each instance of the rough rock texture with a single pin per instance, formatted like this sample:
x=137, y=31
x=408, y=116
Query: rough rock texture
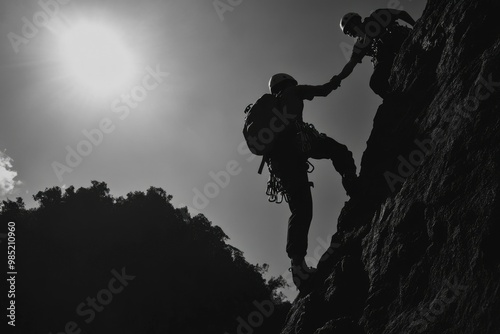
x=421, y=246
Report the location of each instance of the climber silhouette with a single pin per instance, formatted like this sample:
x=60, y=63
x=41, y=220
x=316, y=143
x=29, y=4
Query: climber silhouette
x=289, y=166
x=378, y=36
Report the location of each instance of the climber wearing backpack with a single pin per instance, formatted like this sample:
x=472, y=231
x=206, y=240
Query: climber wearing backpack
x=288, y=164
x=380, y=37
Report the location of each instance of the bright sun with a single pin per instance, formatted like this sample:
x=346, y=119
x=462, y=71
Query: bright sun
x=96, y=58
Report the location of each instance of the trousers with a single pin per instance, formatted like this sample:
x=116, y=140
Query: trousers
x=379, y=81
x=292, y=169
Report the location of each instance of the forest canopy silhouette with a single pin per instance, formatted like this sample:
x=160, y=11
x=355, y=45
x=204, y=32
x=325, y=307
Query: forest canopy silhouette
x=183, y=276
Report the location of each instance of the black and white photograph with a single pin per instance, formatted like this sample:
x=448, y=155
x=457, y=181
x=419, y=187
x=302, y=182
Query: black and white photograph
x=250, y=166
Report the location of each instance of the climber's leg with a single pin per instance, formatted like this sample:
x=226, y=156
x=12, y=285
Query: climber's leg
x=325, y=147
x=297, y=185
x=379, y=81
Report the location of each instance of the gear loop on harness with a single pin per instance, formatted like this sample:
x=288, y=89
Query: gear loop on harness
x=306, y=134
x=276, y=191
x=310, y=167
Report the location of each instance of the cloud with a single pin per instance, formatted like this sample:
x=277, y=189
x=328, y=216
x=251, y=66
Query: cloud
x=7, y=175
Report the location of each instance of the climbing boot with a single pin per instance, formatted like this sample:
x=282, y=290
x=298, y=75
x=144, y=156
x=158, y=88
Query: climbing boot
x=302, y=274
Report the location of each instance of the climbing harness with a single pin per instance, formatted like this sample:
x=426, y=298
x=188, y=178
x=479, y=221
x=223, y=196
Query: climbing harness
x=305, y=135
x=276, y=191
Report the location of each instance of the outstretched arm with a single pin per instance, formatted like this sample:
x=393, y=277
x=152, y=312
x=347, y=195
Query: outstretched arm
x=347, y=70
x=309, y=92
x=324, y=90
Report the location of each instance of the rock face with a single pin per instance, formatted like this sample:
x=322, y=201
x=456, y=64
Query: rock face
x=420, y=247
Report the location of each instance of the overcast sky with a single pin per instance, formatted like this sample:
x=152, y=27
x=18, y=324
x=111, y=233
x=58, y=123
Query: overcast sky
x=189, y=71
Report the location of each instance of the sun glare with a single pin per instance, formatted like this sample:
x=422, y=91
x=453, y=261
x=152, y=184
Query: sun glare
x=96, y=58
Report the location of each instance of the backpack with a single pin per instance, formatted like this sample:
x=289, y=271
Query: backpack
x=261, y=118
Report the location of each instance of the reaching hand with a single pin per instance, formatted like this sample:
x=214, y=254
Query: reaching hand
x=336, y=82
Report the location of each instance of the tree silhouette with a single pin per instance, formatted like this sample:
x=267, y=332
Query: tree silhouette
x=188, y=279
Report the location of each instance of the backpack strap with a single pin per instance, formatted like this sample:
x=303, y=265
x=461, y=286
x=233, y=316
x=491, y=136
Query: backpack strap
x=265, y=157
x=262, y=163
